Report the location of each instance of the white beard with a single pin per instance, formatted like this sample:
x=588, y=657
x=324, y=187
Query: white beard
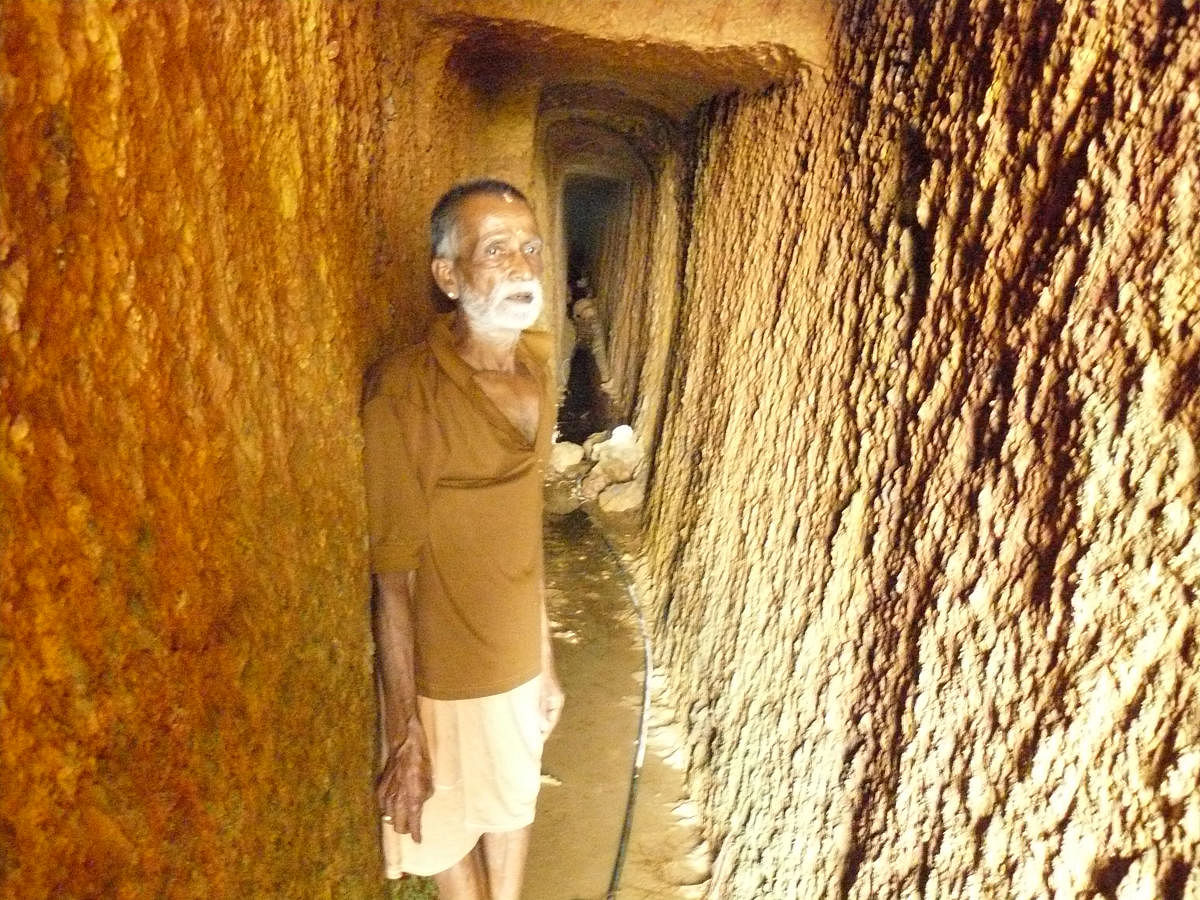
x=496, y=312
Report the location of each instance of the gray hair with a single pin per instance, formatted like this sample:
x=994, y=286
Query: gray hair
x=443, y=221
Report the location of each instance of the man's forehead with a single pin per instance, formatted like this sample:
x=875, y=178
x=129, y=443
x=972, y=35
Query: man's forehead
x=483, y=213
x=484, y=203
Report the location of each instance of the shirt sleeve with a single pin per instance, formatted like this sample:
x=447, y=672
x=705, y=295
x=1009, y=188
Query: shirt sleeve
x=399, y=463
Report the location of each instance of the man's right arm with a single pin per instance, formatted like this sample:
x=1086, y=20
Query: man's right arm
x=406, y=782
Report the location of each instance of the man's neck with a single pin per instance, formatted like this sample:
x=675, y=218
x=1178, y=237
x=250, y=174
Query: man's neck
x=485, y=350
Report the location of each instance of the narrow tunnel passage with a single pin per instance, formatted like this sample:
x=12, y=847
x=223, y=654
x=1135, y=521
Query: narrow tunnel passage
x=597, y=221
x=917, y=442
x=596, y=215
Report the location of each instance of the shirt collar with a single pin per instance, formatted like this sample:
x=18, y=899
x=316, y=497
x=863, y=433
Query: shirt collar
x=532, y=350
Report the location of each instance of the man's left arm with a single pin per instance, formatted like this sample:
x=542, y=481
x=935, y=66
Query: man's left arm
x=552, y=695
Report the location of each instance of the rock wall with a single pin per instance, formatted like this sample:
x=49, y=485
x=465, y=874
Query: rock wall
x=195, y=265
x=924, y=550
x=649, y=326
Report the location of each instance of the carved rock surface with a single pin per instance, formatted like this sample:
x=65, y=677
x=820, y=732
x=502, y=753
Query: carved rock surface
x=925, y=534
x=189, y=204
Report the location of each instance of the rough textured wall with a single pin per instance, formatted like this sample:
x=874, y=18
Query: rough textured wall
x=924, y=522
x=619, y=278
x=431, y=112
x=643, y=333
x=188, y=291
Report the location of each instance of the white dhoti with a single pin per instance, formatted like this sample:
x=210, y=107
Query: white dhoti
x=487, y=764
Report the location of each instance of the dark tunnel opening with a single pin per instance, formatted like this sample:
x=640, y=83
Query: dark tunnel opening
x=589, y=204
x=596, y=222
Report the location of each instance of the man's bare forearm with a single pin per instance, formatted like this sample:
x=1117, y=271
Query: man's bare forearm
x=406, y=781
x=394, y=643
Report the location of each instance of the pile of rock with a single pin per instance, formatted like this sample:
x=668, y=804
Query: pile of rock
x=608, y=468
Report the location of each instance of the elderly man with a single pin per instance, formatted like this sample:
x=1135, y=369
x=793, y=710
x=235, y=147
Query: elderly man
x=457, y=433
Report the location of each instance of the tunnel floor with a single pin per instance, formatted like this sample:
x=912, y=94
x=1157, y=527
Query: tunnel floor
x=589, y=760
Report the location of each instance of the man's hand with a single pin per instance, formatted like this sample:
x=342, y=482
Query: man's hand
x=406, y=782
x=551, y=702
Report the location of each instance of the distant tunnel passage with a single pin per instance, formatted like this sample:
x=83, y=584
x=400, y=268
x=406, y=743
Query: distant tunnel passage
x=597, y=222
x=596, y=215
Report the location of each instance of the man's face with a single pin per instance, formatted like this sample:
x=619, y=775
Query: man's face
x=497, y=269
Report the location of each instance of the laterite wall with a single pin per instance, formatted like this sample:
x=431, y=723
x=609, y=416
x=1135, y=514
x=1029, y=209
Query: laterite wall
x=212, y=220
x=194, y=268
x=924, y=541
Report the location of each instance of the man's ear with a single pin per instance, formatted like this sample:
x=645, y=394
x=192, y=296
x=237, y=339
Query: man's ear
x=444, y=278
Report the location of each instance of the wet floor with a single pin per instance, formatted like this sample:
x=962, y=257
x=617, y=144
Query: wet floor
x=588, y=761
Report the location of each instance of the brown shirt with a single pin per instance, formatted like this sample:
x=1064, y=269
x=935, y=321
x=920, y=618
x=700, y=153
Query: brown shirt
x=454, y=492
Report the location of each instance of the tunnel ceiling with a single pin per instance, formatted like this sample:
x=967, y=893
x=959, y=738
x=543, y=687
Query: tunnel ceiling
x=580, y=147
x=617, y=80
x=670, y=75
x=799, y=28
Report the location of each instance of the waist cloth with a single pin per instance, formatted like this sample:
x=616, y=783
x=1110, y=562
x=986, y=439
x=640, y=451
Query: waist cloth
x=487, y=766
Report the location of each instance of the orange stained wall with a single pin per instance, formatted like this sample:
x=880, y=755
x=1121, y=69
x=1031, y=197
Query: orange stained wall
x=194, y=268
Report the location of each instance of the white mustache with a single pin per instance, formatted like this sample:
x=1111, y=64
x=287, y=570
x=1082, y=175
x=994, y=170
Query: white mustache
x=500, y=309
x=506, y=289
